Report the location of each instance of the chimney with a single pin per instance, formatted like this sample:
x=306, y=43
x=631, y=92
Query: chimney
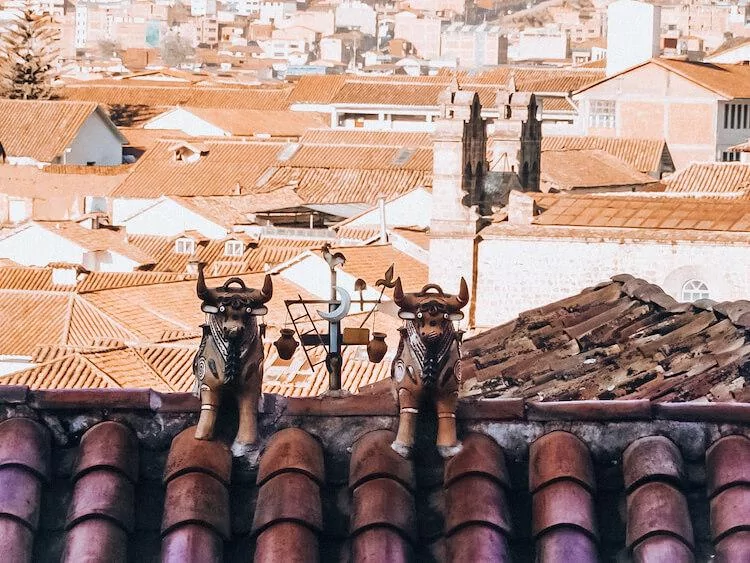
x=192, y=267
x=521, y=208
x=383, y=228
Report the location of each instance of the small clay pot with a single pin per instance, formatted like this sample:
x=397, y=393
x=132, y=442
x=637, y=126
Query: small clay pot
x=377, y=347
x=286, y=344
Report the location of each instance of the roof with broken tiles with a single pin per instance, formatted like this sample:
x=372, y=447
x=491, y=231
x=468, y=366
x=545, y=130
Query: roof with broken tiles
x=117, y=475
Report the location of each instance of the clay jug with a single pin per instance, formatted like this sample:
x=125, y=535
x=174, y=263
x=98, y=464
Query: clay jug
x=286, y=344
x=377, y=347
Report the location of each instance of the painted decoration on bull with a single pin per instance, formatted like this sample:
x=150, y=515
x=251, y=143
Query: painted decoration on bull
x=230, y=355
x=427, y=363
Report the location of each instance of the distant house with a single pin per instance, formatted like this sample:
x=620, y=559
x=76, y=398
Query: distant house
x=96, y=249
x=58, y=132
x=225, y=122
x=699, y=109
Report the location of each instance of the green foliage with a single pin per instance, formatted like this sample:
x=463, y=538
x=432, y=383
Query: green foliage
x=28, y=56
x=176, y=50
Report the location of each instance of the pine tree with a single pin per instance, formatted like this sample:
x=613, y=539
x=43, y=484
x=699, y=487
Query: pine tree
x=28, y=56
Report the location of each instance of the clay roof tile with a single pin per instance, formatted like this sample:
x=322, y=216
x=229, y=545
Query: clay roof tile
x=462, y=509
x=291, y=449
x=191, y=542
x=730, y=511
x=373, y=457
x=383, y=502
x=563, y=503
x=657, y=508
x=566, y=544
x=650, y=458
x=288, y=497
x=207, y=456
x=478, y=543
x=663, y=548
x=734, y=547
x=728, y=463
x=102, y=493
x=286, y=542
x=196, y=497
x=25, y=443
x=480, y=455
x=559, y=455
x=96, y=539
x=20, y=495
x=17, y=539
x=108, y=445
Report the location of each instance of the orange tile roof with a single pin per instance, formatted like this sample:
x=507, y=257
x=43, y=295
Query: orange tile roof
x=237, y=210
x=164, y=94
x=711, y=178
x=146, y=139
x=345, y=185
x=570, y=170
x=22, y=277
x=370, y=263
x=96, y=239
x=41, y=130
x=643, y=212
x=420, y=237
x=727, y=80
x=645, y=155
x=60, y=182
x=227, y=165
x=537, y=79
x=363, y=137
x=249, y=122
x=361, y=157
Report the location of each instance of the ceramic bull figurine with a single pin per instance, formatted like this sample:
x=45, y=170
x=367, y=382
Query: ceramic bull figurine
x=230, y=353
x=426, y=366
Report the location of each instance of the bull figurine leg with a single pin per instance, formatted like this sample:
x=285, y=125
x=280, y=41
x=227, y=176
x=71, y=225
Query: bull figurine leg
x=447, y=442
x=407, y=422
x=209, y=408
x=247, y=405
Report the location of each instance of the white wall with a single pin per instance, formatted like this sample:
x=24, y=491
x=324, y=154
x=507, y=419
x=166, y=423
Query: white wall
x=168, y=218
x=125, y=208
x=632, y=34
x=182, y=120
x=95, y=142
x=523, y=272
x=410, y=210
x=733, y=56
x=47, y=246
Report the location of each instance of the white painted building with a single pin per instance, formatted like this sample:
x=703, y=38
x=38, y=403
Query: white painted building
x=543, y=43
x=66, y=242
x=168, y=217
x=413, y=209
x=181, y=119
x=202, y=8
x=354, y=14
x=632, y=34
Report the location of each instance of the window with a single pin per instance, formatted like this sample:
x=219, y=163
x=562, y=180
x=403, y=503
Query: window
x=602, y=113
x=17, y=210
x=730, y=156
x=184, y=246
x=693, y=290
x=234, y=248
x=95, y=204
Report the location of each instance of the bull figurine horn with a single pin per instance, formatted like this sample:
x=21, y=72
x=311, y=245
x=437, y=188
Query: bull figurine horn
x=459, y=301
x=398, y=292
x=267, y=289
x=204, y=294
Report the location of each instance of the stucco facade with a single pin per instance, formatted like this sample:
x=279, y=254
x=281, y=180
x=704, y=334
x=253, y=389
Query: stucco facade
x=524, y=269
x=652, y=102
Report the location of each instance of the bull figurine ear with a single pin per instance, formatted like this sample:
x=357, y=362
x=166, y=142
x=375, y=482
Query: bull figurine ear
x=407, y=315
x=456, y=316
x=206, y=308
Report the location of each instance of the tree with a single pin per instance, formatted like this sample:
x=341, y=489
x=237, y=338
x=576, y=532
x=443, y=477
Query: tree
x=28, y=56
x=176, y=50
x=107, y=48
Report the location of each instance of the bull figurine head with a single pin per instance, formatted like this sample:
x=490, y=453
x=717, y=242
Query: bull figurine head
x=427, y=364
x=230, y=353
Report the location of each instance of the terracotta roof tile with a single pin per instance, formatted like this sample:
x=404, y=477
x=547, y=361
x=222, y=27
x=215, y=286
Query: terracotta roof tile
x=102, y=509
x=41, y=130
x=226, y=165
x=589, y=169
x=288, y=516
x=643, y=155
x=723, y=178
x=250, y=122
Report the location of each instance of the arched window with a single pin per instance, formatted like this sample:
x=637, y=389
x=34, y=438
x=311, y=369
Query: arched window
x=693, y=290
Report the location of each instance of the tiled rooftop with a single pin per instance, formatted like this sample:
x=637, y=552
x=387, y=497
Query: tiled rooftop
x=623, y=339
x=721, y=178
x=644, y=155
x=592, y=169
x=643, y=212
x=92, y=476
x=41, y=130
